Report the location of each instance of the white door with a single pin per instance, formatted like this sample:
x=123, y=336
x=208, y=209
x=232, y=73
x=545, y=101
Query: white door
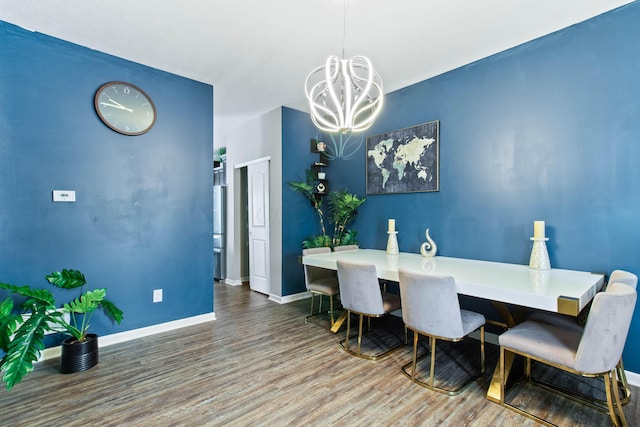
x=258, y=201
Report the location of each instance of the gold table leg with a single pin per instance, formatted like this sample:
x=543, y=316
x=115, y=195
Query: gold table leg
x=493, y=393
x=339, y=322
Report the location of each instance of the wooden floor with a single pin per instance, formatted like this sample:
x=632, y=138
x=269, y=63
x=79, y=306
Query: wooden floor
x=261, y=364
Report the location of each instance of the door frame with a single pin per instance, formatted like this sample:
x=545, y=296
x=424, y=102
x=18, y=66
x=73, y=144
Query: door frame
x=245, y=166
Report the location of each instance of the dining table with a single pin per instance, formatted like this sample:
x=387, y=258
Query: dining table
x=506, y=285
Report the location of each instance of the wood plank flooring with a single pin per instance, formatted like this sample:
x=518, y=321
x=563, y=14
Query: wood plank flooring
x=260, y=364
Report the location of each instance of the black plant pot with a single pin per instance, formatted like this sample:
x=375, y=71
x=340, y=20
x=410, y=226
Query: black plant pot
x=79, y=356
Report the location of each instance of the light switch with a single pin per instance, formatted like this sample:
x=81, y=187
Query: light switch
x=64, y=195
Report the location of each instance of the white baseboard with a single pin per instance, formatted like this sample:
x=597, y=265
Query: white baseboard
x=107, y=340
x=232, y=282
x=289, y=298
x=633, y=378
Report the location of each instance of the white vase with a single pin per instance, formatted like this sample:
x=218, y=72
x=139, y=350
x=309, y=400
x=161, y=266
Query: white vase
x=539, y=259
x=392, y=243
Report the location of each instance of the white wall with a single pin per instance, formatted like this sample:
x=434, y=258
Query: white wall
x=255, y=139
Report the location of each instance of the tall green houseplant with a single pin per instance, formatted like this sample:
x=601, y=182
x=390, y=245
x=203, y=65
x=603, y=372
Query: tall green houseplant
x=23, y=325
x=343, y=208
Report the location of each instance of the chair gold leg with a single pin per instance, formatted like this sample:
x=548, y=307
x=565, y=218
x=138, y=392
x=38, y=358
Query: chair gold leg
x=360, y=334
x=503, y=376
x=613, y=402
x=331, y=309
x=314, y=313
x=623, y=383
x=312, y=298
x=360, y=338
x=596, y=403
x=429, y=383
x=415, y=355
x=346, y=343
x=482, y=358
x=433, y=360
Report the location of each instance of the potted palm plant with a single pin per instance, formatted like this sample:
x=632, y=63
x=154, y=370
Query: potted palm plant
x=23, y=325
x=343, y=208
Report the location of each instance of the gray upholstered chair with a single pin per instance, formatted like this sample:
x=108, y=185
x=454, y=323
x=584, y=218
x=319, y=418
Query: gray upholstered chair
x=360, y=294
x=345, y=248
x=430, y=307
x=577, y=324
x=320, y=281
x=593, y=352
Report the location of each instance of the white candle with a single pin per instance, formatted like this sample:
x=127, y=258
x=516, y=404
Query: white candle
x=392, y=225
x=538, y=229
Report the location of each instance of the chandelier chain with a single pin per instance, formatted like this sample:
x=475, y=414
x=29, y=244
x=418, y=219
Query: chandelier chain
x=344, y=26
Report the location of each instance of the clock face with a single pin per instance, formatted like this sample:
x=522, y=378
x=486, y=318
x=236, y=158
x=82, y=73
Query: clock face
x=125, y=108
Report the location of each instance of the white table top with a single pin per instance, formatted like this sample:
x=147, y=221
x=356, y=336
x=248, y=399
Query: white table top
x=507, y=283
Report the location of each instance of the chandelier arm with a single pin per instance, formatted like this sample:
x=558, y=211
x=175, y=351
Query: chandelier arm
x=347, y=96
x=323, y=115
x=374, y=104
x=371, y=76
x=333, y=76
x=359, y=106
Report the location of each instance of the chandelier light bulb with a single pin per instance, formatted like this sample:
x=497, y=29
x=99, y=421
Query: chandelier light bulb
x=345, y=95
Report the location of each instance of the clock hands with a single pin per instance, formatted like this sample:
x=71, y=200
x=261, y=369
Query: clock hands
x=116, y=104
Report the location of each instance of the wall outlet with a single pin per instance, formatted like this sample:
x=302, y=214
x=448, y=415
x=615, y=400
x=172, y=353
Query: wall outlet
x=157, y=295
x=64, y=195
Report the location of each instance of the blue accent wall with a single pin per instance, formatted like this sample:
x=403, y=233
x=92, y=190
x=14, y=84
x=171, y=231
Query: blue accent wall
x=143, y=216
x=299, y=219
x=549, y=130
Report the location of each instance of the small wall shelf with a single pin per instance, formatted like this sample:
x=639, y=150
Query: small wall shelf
x=321, y=181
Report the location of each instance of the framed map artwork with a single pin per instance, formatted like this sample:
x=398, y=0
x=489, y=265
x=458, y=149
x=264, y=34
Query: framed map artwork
x=405, y=160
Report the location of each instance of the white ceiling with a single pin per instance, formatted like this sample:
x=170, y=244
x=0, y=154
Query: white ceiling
x=257, y=53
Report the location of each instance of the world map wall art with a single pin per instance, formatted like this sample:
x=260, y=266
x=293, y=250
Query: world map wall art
x=405, y=160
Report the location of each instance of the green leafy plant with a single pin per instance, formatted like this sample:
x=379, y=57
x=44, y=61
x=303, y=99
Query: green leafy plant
x=23, y=326
x=220, y=154
x=343, y=208
x=306, y=189
x=319, y=241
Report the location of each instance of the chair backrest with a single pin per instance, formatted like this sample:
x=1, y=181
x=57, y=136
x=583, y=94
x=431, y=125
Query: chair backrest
x=313, y=251
x=621, y=276
x=345, y=248
x=430, y=304
x=359, y=288
x=311, y=273
x=605, y=332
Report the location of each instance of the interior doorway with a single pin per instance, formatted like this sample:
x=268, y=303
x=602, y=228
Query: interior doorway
x=254, y=223
x=243, y=218
x=258, y=213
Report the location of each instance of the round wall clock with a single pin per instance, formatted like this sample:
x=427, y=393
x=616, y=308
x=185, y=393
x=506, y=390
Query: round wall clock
x=125, y=108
